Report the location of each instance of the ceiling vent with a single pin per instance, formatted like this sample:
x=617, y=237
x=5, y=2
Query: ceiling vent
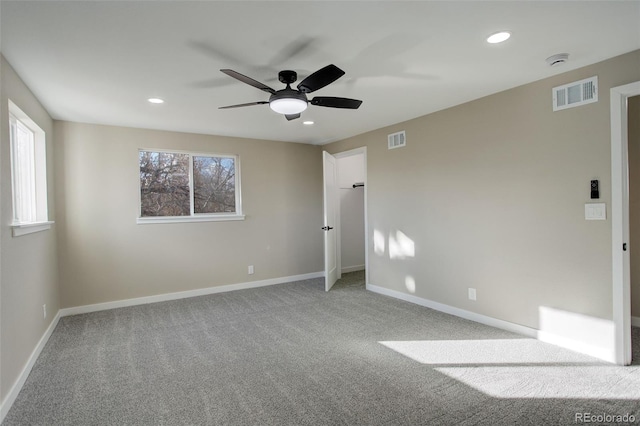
x=575, y=94
x=396, y=140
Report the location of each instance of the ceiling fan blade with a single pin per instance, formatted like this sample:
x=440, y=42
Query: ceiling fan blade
x=292, y=116
x=244, y=105
x=213, y=51
x=248, y=80
x=291, y=50
x=320, y=78
x=331, y=102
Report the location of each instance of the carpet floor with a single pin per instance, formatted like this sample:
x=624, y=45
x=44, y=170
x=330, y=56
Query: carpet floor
x=292, y=354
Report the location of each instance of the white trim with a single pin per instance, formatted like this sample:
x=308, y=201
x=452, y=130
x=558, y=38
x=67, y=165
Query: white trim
x=598, y=352
x=185, y=294
x=353, y=268
x=182, y=219
x=578, y=332
x=22, y=378
x=621, y=288
x=18, y=229
x=38, y=192
x=635, y=321
x=605, y=354
x=468, y=315
x=351, y=152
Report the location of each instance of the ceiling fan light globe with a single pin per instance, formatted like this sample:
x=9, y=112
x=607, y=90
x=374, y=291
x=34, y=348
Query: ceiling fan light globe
x=288, y=106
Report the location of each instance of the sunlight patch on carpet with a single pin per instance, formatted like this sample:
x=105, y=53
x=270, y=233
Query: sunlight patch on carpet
x=523, y=368
x=555, y=382
x=490, y=351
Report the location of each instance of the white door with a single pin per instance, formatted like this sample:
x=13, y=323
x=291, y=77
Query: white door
x=330, y=211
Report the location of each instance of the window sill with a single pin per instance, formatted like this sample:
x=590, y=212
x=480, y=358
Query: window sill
x=183, y=219
x=19, y=229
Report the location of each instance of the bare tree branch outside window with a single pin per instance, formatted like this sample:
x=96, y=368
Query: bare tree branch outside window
x=214, y=185
x=165, y=184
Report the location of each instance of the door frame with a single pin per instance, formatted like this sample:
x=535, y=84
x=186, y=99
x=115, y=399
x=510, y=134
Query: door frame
x=350, y=153
x=621, y=286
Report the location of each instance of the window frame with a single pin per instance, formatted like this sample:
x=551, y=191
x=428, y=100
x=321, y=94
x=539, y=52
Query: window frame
x=194, y=217
x=38, y=191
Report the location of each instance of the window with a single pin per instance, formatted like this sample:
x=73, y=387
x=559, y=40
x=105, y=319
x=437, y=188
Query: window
x=184, y=187
x=28, y=174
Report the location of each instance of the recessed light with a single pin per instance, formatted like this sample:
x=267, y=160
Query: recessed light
x=156, y=100
x=498, y=37
x=307, y=123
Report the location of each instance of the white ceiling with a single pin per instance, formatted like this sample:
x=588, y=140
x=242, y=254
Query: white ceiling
x=98, y=61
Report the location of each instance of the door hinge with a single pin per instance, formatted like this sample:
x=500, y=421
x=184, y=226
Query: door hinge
x=327, y=228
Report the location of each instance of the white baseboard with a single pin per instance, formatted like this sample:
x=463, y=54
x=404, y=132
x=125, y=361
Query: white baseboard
x=599, y=352
x=605, y=354
x=185, y=294
x=635, y=321
x=472, y=316
x=353, y=268
x=22, y=378
x=578, y=332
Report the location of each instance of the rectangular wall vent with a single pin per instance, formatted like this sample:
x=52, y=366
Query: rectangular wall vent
x=575, y=94
x=397, y=140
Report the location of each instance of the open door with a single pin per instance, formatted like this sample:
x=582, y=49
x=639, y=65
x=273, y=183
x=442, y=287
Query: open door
x=330, y=212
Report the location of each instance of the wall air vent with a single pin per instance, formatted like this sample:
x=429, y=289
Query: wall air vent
x=575, y=94
x=397, y=140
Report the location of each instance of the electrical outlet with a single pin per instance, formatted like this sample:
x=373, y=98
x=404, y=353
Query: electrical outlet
x=472, y=294
x=250, y=269
x=44, y=311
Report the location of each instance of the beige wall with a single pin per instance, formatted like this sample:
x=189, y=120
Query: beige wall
x=28, y=264
x=491, y=194
x=105, y=256
x=634, y=201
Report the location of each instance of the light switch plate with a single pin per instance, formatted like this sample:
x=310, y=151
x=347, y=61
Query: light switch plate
x=595, y=211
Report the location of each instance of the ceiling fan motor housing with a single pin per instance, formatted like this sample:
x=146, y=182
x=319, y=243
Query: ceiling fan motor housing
x=287, y=76
x=288, y=94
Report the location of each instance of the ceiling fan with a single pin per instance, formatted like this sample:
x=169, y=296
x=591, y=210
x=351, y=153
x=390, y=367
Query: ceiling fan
x=292, y=102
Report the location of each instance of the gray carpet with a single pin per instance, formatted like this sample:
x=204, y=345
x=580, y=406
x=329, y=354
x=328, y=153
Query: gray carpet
x=292, y=354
